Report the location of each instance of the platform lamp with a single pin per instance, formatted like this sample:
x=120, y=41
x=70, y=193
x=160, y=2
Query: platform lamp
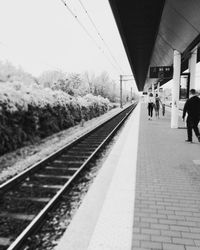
x=121, y=79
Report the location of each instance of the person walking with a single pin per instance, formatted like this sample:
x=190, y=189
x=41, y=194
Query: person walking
x=163, y=107
x=157, y=105
x=150, y=106
x=192, y=108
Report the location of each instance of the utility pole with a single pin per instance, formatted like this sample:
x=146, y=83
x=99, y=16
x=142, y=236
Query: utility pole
x=121, y=106
x=131, y=94
x=121, y=103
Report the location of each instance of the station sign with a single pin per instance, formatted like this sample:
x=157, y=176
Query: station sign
x=162, y=72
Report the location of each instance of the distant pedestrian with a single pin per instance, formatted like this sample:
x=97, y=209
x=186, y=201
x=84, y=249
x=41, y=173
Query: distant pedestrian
x=150, y=105
x=163, y=109
x=192, y=108
x=157, y=105
x=163, y=106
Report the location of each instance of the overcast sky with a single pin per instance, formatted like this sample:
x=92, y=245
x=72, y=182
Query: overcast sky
x=43, y=35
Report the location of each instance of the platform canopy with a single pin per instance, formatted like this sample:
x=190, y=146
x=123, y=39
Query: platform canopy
x=152, y=29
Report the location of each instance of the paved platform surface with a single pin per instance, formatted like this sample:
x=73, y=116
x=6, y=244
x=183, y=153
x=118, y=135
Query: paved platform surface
x=104, y=220
x=167, y=198
x=147, y=194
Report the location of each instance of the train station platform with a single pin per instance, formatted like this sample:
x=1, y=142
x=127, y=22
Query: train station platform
x=146, y=195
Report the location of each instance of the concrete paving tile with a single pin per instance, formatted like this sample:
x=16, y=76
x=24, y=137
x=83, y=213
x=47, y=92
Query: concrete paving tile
x=167, y=182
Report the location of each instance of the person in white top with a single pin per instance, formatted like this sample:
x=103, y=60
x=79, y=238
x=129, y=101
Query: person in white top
x=151, y=100
x=158, y=103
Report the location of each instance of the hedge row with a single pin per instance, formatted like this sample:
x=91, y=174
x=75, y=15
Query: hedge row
x=19, y=125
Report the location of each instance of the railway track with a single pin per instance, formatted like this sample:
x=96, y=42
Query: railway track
x=27, y=198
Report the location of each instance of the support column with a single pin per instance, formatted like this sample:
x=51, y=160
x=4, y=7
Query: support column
x=192, y=67
x=176, y=89
x=158, y=87
x=153, y=89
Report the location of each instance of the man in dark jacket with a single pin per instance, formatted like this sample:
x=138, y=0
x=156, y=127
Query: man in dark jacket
x=192, y=107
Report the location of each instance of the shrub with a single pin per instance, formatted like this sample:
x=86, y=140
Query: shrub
x=30, y=113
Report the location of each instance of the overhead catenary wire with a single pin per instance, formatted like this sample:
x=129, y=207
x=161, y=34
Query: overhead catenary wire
x=128, y=80
x=83, y=27
x=98, y=33
x=86, y=31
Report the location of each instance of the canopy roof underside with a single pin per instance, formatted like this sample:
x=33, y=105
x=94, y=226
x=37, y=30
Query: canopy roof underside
x=152, y=29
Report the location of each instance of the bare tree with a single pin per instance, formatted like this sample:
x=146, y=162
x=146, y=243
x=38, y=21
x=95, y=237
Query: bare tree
x=89, y=78
x=50, y=78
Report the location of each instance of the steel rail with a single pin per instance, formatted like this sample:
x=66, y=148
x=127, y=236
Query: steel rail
x=35, y=223
x=14, y=180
